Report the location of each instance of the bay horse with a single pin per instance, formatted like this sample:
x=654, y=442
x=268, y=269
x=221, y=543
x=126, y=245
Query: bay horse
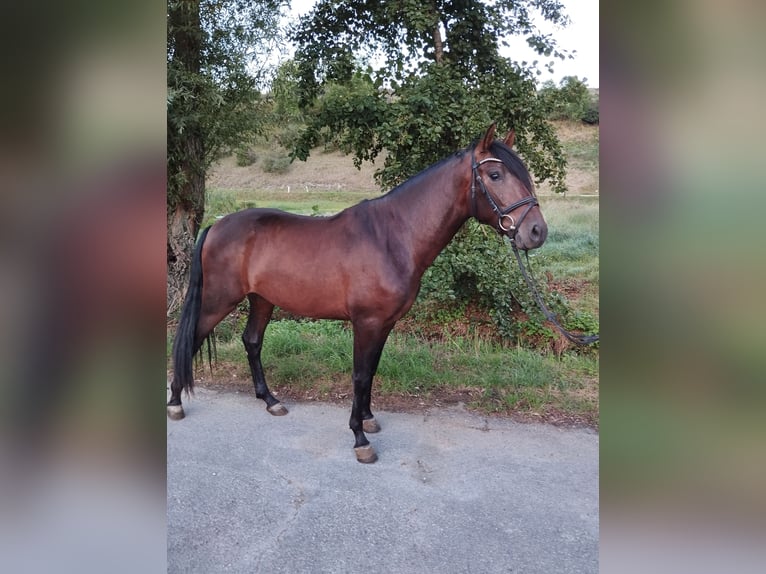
x=362, y=265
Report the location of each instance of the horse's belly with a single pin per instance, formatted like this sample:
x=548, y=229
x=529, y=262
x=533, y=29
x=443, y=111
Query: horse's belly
x=311, y=307
x=307, y=293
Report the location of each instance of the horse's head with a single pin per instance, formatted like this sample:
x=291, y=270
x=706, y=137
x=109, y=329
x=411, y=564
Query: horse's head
x=502, y=193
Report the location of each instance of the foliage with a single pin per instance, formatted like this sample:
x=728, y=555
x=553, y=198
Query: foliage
x=275, y=161
x=471, y=270
x=218, y=203
x=468, y=271
x=213, y=86
x=407, y=33
x=284, y=94
x=443, y=81
x=571, y=100
x=245, y=156
x=347, y=116
x=590, y=115
x=287, y=135
x=214, y=52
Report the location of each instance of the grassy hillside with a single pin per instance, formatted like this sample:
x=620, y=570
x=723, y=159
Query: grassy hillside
x=331, y=176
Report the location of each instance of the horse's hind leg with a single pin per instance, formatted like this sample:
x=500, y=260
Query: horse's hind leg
x=209, y=318
x=260, y=315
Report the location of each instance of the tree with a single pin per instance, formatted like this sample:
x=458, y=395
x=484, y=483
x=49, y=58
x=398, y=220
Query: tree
x=442, y=83
x=216, y=54
x=571, y=100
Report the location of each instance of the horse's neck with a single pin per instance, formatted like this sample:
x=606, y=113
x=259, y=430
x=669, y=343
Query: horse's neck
x=431, y=210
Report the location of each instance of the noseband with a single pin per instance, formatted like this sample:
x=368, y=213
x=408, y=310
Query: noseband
x=502, y=214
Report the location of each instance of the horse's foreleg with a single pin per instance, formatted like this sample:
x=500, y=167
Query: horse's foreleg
x=260, y=315
x=368, y=346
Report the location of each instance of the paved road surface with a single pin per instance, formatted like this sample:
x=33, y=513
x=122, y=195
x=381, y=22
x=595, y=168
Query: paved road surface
x=452, y=492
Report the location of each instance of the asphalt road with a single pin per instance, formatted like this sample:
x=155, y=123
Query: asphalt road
x=452, y=492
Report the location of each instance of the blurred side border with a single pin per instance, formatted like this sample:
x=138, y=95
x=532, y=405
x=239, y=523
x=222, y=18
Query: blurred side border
x=683, y=277
x=82, y=287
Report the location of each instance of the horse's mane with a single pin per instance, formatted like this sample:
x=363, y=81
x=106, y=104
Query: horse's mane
x=513, y=162
x=500, y=150
x=433, y=167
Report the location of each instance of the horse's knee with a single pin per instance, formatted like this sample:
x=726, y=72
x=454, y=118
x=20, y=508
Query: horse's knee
x=252, y=344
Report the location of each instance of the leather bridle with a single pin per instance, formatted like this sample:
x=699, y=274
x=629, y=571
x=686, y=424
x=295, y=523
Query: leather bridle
x=502, y=214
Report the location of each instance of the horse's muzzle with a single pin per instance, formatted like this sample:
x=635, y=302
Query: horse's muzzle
x=530, y=236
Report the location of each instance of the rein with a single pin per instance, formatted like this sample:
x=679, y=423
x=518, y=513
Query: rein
x=575, y=338
x=502, y=214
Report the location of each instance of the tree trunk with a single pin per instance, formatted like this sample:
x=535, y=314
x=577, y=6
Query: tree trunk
x=184, y=220
x=438, y=46
x=186, y=154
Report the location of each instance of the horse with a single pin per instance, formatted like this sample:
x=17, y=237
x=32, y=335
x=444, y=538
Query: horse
x=362, y=265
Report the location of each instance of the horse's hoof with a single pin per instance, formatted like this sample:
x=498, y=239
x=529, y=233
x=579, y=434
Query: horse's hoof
x=277, y=410
x=175, y=412
x=365, y=454
x=370, y=425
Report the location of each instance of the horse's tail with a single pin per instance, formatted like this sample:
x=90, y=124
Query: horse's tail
x=184, y=347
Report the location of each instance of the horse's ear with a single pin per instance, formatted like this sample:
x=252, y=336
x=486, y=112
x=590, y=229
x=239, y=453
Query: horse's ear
x=510, y=138
x=489, y=137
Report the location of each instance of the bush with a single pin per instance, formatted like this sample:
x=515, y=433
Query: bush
x=245, y=156
x=590, y=116
x=276, y=162
x=571, y=100
x=471, y=270
x=219, y=202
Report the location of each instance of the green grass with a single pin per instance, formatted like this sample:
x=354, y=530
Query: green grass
x=302, y=355
x=570, y=255
x=572, y=247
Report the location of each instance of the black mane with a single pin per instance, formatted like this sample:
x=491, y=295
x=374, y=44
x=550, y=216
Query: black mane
x=418, y=176
x=500, y=150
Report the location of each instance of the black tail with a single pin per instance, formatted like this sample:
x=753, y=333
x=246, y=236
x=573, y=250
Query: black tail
x=184, y=347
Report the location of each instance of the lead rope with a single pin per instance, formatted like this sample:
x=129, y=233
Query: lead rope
x=575, y=338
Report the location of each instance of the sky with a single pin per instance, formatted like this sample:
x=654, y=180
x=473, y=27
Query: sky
x=581, y=36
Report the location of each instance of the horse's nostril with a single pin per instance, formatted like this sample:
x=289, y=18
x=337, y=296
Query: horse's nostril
x=535, y=232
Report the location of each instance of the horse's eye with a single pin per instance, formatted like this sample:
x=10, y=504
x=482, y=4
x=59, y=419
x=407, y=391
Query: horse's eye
x=494, y=175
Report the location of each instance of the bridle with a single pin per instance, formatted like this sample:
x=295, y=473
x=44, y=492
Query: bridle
x=502, y=214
